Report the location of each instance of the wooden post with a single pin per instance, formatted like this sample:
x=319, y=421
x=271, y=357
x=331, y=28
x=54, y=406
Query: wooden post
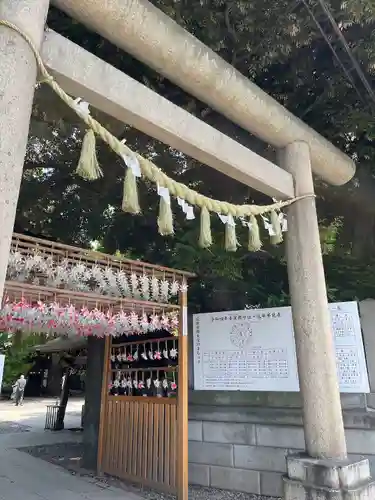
x=182, y=409
x=103, y=403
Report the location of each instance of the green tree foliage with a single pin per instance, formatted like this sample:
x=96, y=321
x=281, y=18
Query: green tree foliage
x=19, y=356
x=278, y=46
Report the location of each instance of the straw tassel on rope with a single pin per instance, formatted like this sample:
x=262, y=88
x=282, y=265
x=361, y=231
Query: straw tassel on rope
x=130, y=202
x=165, y=219
x=88, y=167
x=205, y=237
x=255, y=243
x=276, y=226
x=231, y=242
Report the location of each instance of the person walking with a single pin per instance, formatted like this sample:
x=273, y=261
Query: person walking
x=19, y=387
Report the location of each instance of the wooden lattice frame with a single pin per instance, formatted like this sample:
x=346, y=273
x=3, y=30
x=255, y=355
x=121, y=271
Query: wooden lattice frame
x=26, y=245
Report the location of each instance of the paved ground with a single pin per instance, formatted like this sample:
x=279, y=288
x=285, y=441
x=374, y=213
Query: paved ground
x=25, y=477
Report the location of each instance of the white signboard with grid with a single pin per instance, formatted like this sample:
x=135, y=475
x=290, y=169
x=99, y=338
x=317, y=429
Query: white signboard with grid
x=254, y=350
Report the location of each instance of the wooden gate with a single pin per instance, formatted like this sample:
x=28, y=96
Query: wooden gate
x=140, y=441
x=144, y=411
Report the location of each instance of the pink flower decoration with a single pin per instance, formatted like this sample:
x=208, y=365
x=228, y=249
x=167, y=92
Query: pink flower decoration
x=173, y=386
x=157, y=355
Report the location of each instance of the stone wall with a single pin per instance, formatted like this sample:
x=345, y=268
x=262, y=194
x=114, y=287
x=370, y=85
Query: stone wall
x=244, y=448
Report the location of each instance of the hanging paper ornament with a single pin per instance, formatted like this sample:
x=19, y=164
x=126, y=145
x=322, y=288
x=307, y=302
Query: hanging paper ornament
x=165, y=353
x=165, y=383
x=144, y=324
x=145, y=287
x=164, y=290
x=173, y=386
x=136, y=356
x=148, y=383
x=175, y=287
x=141, y=384
x=157, y=383
x=277, y=237
x=155, y=289
x=123, y=283
x=123, y=383
x=173, y=353
x=150, y=355
x=157, y=355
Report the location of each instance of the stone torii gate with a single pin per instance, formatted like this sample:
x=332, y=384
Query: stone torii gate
x=149, y=35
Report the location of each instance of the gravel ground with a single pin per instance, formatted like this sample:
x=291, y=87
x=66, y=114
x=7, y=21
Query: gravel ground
x=69, y=456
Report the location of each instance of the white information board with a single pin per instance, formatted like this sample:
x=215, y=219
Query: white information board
x=254, y=350
x=2, y=361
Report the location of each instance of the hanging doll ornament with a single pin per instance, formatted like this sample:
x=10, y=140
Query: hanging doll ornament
x=144, y=354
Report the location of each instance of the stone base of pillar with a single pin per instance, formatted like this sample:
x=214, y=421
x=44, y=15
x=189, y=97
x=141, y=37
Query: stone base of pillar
x=314, y=479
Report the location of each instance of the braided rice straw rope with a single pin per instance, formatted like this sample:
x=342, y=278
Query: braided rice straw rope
x=148, y=168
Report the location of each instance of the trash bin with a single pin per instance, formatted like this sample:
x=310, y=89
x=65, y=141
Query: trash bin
x=51, y=423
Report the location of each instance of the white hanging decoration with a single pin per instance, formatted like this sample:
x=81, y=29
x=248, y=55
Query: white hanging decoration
x=284, y=222
x=123, y=283
x=164, y=193
x=165, y=353
x=145, y=287
x=165, y=383
x=186, y=208
x=134, y=285
x=173, y=353
x=131, y=161
x=175, y=287
x=148, y=383
x=157, y=383
x=268, y=226
x=82, y=107
x=155, y=289
x=164, y=290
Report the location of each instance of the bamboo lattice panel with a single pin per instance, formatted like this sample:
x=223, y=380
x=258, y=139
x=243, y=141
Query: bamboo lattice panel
x=140, y=441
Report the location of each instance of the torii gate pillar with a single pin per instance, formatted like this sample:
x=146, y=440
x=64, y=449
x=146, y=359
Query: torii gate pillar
x=326, y=470
x=18, y=74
